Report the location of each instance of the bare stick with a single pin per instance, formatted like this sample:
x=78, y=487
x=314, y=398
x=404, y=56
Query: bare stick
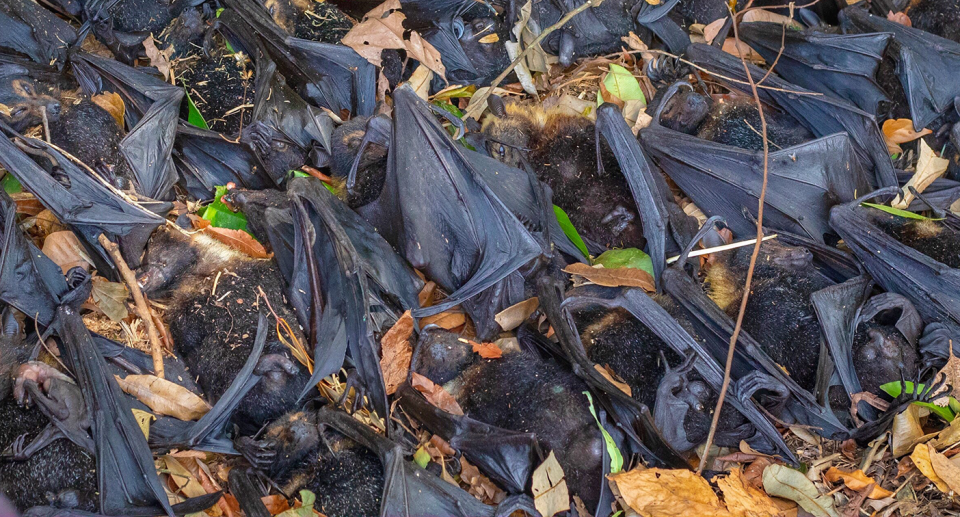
x=143, y=309
x=753, y=258
x=523, y=55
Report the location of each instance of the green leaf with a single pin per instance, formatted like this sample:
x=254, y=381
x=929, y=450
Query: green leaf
x=899, y=213
x=10, y=184
x=570, y=231
x=221, y=216
x=894, y=156
x=451, y=130
x=629, y=257
x=947, y=413
x=623, y=85
x=456, y=93
x=616, y=459
x=421, y=457
x=194, y=117
x=308, y=499
x=299, y=174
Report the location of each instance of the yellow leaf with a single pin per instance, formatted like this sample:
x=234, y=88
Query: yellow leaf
x=744, y=500
x=857, y=481
x=420, y=81
x=550, y=495
x=112, y=103
x=945, y=469
x=921, y=458
x=110, y=298
x=143, y=420
x=668, y=493
x=906, y=431
x=188, y=484
x=489, y=38
x=929, y=168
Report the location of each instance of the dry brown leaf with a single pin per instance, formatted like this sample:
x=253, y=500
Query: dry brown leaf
x=616, y=277
x=511, y=317
x=27, y=203
x=480, y=486
x=743, y=499
x=900, y=18
x=550, y=495
x=487, y=350
x=112, y=103
x=668, y=493
x=711, y=30
x=65, y=250
x=110, y=298
x=948, y=436
x=276, y=504
x=610, y=376
x=187, y=485
x=164, y=397
x=435, y=394
x=857, y=481
x=921, y=458
x=236, y=239
x=945, y=469
x=48, y=223
x=425, y=297
x=447, y=320
x=929, y=168
x=906, y=431
x=900, y=131
x=761, y=15
x=730, y=46
x=397, y=353
x=780, y=481
x=158, y=58
x=382, y=28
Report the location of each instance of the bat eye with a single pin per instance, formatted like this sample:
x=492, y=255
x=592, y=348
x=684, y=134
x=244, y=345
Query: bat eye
x=458, y=27
x=501, y=151
x=17, y=113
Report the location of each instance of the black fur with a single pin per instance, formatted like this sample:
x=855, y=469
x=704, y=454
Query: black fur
x=737, y=122
x=940, y=17
x=214, y=332
x=934, y=239
x=372, y=169
x=217, y=85
x=91, y=134
x=441, y=356
x=311, y=20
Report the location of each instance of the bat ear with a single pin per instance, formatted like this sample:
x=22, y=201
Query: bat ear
x=497, y=107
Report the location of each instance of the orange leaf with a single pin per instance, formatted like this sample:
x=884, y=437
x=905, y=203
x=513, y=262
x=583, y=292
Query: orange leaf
x=447, y=320
x=27, y=203
x=238, y=239
x=614, y=277
x=857, y=481
x=900, y=131
x=397, y=353
x=276, y=504
x=435, y=394
x=487, y=350
x=900, y=18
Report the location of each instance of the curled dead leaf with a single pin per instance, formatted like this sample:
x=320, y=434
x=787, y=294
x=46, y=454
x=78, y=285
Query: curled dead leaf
x=549, y=487
x=435, y=394
x=110, y=298
x=929, y=168
x=112, y=103
x=65, y=250
x=900, y=18
x=382, y=28
x=781, y=481
x=397, y=353
x=164, y=397
x=921, y=458
x=614, y=277
x=711, y=30
x=236, y=239
x=511, y=317
x=160, y=59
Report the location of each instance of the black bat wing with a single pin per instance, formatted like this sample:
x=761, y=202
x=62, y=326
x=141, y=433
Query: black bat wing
x=933, y=287
x=205, y=160
x=837, y=307
x=665, y=227
x=127, y=477
x=29, y=280
x=89, y=206
x=152, y=112
x=209, y=433
x=804, y=181
x=821, y=114
x=30, y=29
x=439, y=213
x=660, y=322
x=508, y=457
x=924, y=63
x=408, y=490
x=841, y=65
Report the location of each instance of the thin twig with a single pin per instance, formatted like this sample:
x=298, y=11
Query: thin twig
x=143, y=309
x=481, y=102
x=46, y=123
x=753, y=257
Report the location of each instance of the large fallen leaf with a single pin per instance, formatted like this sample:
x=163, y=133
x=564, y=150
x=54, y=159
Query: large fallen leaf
x=741, y=49
x=160, y=59
x=945, y=469
x=397, y=353
x=711, y=30
x=900, y=131
x=620, y=83
x=164, y=397
x=187, y=484
x=435, y=394
x=906, y=431
x=743, y=499
x=382, y=28
x=48, y=223
x=790, y=484
x=511, y=317
x=668, y=493
x=760, y=15
x=929, y=168
x=618, y=277
x=65, y=250
x=112, y=103
x=921, y=457
x=857, y=481
x=550, y=495
x=110, y=297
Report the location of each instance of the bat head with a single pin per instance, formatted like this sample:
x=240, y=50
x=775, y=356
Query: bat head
x=21, y=105
x=685, y=111
x=441, y=356
x=169, y=254
x=481, y=43
x=880, y=354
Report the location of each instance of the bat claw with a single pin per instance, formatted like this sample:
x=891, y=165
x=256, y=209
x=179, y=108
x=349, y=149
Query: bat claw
x=359, y=393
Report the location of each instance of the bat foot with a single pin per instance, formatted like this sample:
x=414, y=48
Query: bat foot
x=261, y=454
x=354, y=383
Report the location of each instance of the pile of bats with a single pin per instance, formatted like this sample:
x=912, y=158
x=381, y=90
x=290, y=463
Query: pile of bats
x=404, y=196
